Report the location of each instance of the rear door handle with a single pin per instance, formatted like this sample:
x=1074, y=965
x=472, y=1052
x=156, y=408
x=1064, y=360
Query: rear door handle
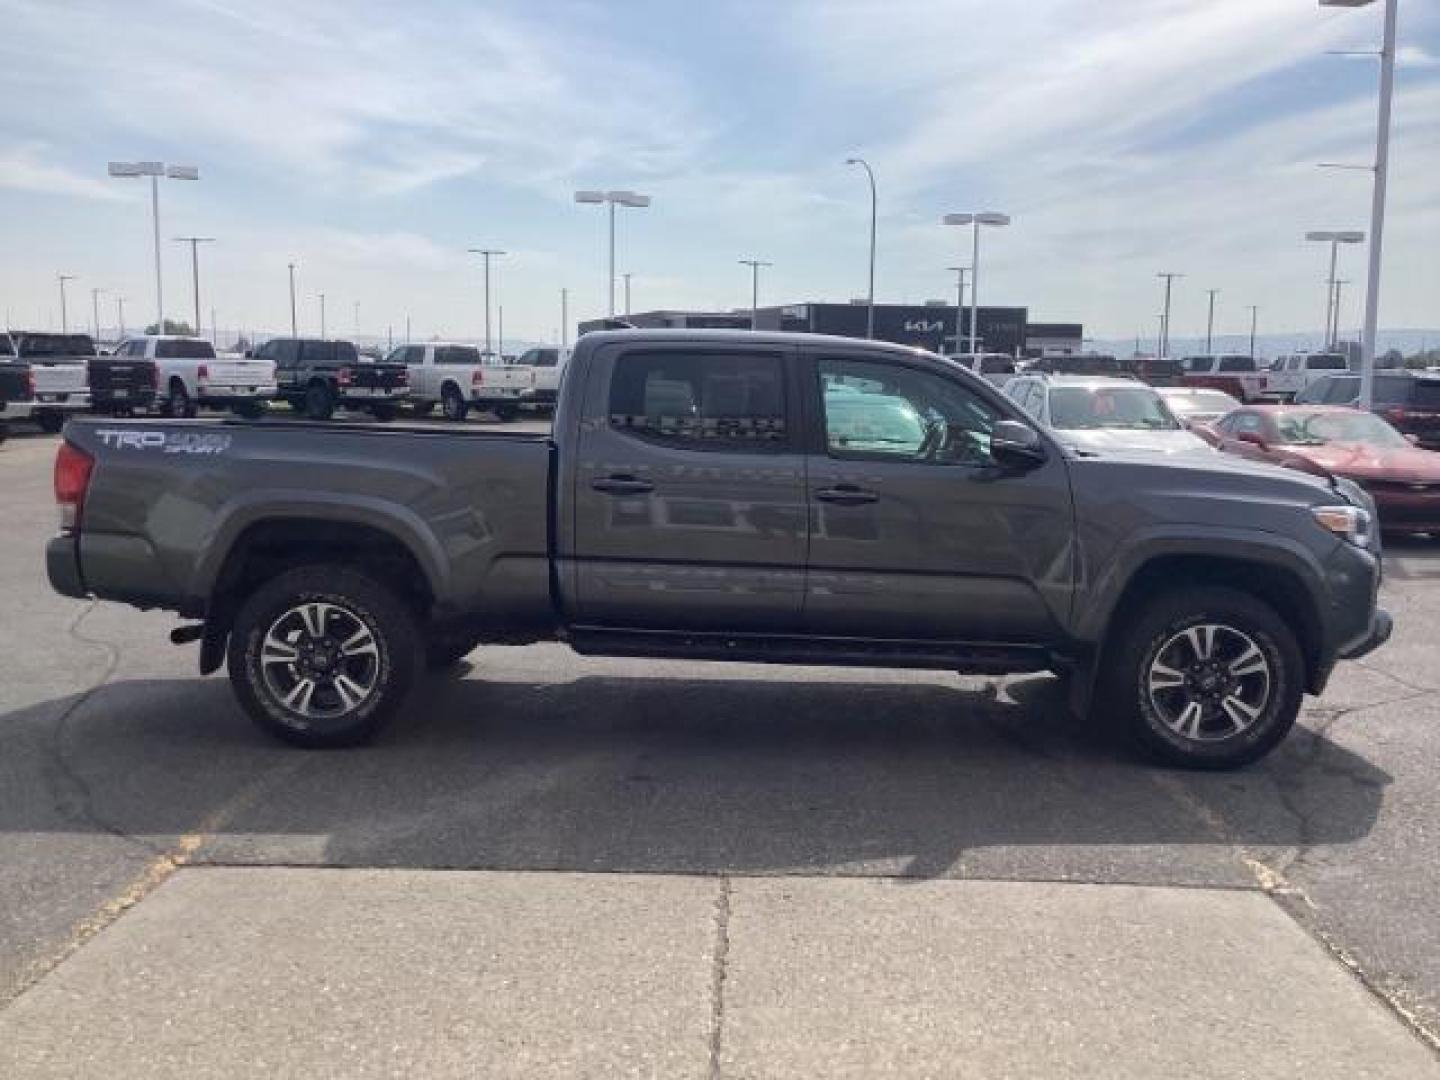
x=846, y=495
x=622, y=485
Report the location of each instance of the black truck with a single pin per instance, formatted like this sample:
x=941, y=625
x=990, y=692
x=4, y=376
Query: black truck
x=315, y=376
x=730, y=495
x=17, y=393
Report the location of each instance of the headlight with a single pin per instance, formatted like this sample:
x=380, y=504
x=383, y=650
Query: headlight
x=1347, y=522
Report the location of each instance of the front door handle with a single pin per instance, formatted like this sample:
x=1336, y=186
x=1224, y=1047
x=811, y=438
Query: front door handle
x=846, y=495
x=622, y=485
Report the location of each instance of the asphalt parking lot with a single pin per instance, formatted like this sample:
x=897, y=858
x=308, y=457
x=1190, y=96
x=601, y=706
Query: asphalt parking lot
x=566, y=866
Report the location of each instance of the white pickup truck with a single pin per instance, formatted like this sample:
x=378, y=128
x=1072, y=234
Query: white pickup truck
x=189, y=375
x=548, y=365
x=60, y=367
x=459, y=378
x=1288, y=375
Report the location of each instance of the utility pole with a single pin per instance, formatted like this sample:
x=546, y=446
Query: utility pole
x=486, y=254
x=874, y=211
x=1210, y=322
x=95, y=311
x=1254, y=325
x=357, y=320
x=64, y=319
x=1335, y=331
x=627, y=294
x=294, y=325
x=120, y=314
x=755, y=265
x=214, y=330
x=1169, y=279
x=322, y=316
x=407, y=329
x=960, y=272
x=500, y=331
x=195, y=242
x=564, y=318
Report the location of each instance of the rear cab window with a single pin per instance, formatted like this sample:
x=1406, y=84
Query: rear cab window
x=184, y=349
x=726, y=401
x=457, y=354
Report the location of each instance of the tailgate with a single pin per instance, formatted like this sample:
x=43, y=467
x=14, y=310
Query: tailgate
x=240, y=372
x=122, y=378
x=380, y=376
x=62, y=375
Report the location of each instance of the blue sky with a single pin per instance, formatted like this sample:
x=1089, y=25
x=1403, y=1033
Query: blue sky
x=372, y=143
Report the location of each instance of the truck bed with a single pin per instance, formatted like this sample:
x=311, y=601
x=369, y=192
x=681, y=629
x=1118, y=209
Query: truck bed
x=171, y=499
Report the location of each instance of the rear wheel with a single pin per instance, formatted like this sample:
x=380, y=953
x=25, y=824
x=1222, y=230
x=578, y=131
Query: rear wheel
x=322, y=656
x=50, y=422
x=177, y=401
x=453, y=404
x=319, y=402
x=1205, y=677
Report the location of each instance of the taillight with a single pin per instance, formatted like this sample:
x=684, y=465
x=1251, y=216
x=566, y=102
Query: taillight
x=343, y=376
x=72, y=477
x=477, y=379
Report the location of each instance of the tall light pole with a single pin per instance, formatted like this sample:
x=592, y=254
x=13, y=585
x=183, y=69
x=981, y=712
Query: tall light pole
x=1160, y=335
x=990, y=217
x=613, y=199
x=64, y=317
x=1210, y=321
x=627, y=278
x=95, y=310
x=1334, y=238
x=1334, y=328
x=874, y=208
x=1169, y=279
x=960, y=272
x=1254, y=326
x=130, y=170
x=195, y=242
x=120, y=314
x=1381, y=170
x=357, y=320
x=755, y=265
x=294, y=323
x=322, y=316
x=564, y=318
x=486, y=254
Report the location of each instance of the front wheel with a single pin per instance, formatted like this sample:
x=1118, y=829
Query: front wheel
x=319, y=402
x=453, y=404
x=1205, y=678
x=322, y=656
x=177, y=402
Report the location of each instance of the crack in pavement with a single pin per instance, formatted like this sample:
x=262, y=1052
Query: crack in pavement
x=717, y=974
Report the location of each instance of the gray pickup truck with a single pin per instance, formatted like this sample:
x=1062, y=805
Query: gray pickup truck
x=725, y=495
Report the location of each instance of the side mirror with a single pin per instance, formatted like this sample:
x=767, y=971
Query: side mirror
x=1014, y=443
x=1254, y=438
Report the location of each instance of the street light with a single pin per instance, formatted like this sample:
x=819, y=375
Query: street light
x=614, y=199
x=874, y=206
x=1254, y=325
x=95, y=309
x=960, y=272
x=486, y=253
x=131, y=170
x=322, y=316
x=64, y=320
x=564, y=318
x=755, y=265
x=1334, y=239
x=1210, y=321
x=120, y=315
x=294, y=324
x=1169, y=279
x=1334, y=329
x=990, y=217
x=1377, y=200
x=627, y=278
x=195, y=242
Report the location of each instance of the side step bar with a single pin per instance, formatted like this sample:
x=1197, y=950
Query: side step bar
x=969, y=657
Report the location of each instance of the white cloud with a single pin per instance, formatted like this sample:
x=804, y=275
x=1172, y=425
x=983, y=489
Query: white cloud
x=31, y=167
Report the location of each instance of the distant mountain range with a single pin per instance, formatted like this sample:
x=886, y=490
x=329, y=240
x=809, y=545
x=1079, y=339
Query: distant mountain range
x=1408, y=342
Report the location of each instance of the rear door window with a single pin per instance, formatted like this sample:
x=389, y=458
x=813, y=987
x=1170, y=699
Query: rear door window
x=719, y=401
x=457, y=354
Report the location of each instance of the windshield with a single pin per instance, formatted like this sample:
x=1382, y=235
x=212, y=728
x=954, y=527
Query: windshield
x=1207, y=402
x=37, y=346
x=1340, y=426
x=1075, y=408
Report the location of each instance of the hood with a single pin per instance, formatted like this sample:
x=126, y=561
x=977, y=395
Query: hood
x=1104, y=440
x=1363, y=462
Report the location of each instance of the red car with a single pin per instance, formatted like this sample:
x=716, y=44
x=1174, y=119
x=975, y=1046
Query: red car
x=1403, y=479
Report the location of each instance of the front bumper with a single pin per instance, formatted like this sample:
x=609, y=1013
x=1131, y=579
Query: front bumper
x=62, y=566
x=1381, y=626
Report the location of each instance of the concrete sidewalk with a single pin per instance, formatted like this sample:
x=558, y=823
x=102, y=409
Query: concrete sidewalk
x=357, y=973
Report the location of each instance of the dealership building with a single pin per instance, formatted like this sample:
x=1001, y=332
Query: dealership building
x=927, y=326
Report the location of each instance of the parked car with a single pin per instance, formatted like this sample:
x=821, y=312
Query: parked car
x=997, y=368
x=1327, y=440
x=190, y=376
x=1410, y=401
x=701, y=497
x=1231, y=373
x=315, y=376
x=1080, y=364
x=547, y=365
x=458, y=378
x=1196, y=405
x=1289, y=375
x=17, y=393
x=1156, y=370
x=1096, y=413
x=123, y=384
x=60, y=370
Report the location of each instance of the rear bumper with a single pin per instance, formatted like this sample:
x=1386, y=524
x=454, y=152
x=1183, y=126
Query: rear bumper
x=62, y=401
x=213, y=394
x=16, y=410
x=367, y=393
x=62, y=566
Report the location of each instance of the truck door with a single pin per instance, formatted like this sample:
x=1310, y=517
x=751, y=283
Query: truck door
x=689, y=493
x=916, y=532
